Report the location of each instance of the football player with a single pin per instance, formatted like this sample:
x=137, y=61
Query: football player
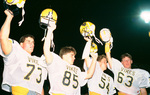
x=101, y=83
x=65, y=78
x=127, y=80
x=23, y=73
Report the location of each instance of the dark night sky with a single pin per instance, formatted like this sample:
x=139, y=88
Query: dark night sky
x=122, y=17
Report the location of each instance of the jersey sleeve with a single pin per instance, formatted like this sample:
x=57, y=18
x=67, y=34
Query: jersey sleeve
x=8, y=59
x=84, y=65
x=144, y=79
x=116, y=64
x=42, y=61
x=86, y=50
x=83, y=81
x=13, y=44
x=56, y=58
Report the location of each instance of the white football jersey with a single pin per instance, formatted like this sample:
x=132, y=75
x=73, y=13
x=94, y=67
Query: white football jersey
x=22, y=69
x=129, y=80
x=101, y=82
x=65, y=78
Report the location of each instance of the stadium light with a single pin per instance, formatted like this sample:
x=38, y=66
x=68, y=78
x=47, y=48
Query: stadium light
x=145, y=15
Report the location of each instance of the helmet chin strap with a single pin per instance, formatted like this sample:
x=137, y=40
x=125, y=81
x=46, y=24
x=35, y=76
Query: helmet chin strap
x=45, y=31
x=85, y=34
x=23, y=13
x=97, y=40
x=53, y=45
x=52, y=42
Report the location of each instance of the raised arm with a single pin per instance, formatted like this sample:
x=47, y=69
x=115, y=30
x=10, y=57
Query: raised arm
x=91, y=69
x=108, y=54
x=47, y=42
x=4, y=33
x=86, y=51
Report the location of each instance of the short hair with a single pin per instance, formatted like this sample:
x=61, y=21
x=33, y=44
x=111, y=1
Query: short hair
x=22, y=39
x=126, y=55
x=100, y=57
x=66, y=49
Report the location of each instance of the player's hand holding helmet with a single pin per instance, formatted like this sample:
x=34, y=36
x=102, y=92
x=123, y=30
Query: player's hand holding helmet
x=52, y=26
x=106, y=37
x=48, y=19
x=46, y=16
x=13, y=5
x=9, y=13
x=87, y=29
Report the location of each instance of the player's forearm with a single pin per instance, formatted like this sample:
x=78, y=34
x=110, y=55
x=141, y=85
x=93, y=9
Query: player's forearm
x=109, y=59
x=87, y=62
x=46, y=47
x=47, y=43
x=91, y=69
x=4, y=36
x=5, y=29
x=42, y=92
x=143, y=91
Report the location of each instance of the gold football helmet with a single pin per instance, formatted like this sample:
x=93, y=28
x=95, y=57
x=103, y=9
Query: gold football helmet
x=18, y=3
x=47, y=15
x=105, y=34
x=87, y=29
x=93, y=48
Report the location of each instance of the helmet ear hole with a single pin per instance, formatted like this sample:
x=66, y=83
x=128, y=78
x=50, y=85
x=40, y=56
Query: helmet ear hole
x=46, y=16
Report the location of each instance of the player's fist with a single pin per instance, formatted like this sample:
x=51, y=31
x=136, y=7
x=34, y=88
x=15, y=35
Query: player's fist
x=88, y=39
x=107, y=47
x=9, y=13
x=52, y=26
